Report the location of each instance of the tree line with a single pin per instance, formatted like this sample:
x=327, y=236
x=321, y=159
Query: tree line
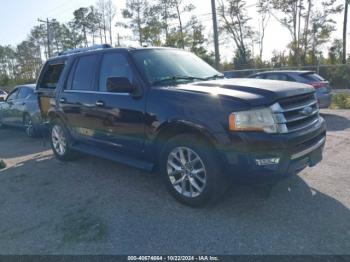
x=171, y=23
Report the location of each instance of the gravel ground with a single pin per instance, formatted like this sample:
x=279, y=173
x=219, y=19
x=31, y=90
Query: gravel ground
x=94, y=206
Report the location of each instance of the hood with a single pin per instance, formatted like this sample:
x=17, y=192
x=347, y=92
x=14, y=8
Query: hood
x=255, y=92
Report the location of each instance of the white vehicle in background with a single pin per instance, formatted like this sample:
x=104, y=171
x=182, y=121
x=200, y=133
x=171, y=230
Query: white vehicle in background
x=3, y=95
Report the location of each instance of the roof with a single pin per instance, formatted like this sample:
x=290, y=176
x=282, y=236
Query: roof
x=286, y=71
x=100, y=48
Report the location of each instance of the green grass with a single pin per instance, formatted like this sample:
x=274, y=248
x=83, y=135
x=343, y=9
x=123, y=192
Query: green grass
x=340, y=101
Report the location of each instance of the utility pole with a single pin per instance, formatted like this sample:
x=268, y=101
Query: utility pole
x=347, y=2
x=216, y=36
x=47, y=22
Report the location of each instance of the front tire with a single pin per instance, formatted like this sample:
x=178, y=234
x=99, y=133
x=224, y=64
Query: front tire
x=60, y=140
x=30, y=128
x=191, y=171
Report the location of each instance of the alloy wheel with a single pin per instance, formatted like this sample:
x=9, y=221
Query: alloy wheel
x=28, y=125
x=59, y=140
x=186, y=172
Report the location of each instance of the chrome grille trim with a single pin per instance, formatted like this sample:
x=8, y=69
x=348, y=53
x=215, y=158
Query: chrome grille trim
x=296, y=118
x=301, y=106
x=314, y=122
x=290, y=116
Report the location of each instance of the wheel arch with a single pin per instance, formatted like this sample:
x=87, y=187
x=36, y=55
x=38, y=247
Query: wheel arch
x=171, y=129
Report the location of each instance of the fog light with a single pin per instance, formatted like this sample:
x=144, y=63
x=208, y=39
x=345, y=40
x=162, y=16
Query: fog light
x=267, y=161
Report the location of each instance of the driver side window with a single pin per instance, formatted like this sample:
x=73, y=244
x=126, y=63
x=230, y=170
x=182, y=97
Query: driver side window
x=113, y=65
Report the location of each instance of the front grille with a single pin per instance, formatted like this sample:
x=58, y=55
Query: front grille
x=297, y=112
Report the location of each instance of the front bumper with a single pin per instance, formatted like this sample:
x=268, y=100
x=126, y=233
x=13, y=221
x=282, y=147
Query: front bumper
x=244, y=154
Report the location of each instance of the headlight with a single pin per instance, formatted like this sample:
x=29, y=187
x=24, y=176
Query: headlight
x=253, y=120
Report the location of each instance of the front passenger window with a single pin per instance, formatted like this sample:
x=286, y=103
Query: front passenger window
x=113, y=65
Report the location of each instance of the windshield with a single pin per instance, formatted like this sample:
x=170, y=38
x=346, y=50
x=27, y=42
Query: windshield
x=161, y=66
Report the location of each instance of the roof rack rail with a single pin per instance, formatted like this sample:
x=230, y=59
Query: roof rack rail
x=86, y=49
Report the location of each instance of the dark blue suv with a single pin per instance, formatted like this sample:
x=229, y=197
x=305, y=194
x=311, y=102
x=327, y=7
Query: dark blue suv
x=167, y=109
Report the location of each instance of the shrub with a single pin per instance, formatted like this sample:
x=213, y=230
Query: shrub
x=341, y=101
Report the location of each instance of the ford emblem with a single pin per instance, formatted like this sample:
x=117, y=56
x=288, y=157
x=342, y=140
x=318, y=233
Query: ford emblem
x=307, y=111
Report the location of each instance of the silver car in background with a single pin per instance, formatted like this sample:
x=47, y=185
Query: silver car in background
x=21, y=109
x=322, y=87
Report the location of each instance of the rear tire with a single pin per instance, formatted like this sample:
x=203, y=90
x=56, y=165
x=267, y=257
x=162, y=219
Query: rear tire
x=191, y=171
x=60, y=140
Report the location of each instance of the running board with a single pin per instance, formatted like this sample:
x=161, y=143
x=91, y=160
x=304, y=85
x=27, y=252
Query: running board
x=111, y=155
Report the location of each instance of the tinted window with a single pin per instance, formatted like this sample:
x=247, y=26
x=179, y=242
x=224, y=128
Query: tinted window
x=84, y=73
x=312, y=77
x=258, y=76
x=24, y=92
x=161, y=64
x=281, y=77
x=51, y=76
x=113, y=65
x=13, y=95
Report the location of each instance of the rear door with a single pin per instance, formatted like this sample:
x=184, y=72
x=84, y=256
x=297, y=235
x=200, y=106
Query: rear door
x=48, y=82
x=78, y=98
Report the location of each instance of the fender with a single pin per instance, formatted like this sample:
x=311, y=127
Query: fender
x=174, y=127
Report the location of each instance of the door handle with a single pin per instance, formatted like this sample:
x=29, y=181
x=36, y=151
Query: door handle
x=63, y=100
x=100, y=103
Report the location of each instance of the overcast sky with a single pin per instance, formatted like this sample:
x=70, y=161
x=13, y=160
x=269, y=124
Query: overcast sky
x=17, y=17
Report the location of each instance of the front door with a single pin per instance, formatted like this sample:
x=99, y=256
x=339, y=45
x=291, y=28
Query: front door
x=114, y=120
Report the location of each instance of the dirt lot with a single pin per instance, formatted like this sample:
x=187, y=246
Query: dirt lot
x=93, y=206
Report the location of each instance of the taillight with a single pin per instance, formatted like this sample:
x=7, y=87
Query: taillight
x=318, y=84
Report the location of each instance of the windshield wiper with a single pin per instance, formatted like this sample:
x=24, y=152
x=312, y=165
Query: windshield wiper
x=214, y=77
x=174, y=78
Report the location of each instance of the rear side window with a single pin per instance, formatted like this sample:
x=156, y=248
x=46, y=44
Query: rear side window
x=312, y=77
x=277, y=77
x=51, y=76
x=113, y=65
x=84, y=74
x=258, y=76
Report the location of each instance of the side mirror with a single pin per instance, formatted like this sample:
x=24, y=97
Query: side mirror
x=119, y=85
